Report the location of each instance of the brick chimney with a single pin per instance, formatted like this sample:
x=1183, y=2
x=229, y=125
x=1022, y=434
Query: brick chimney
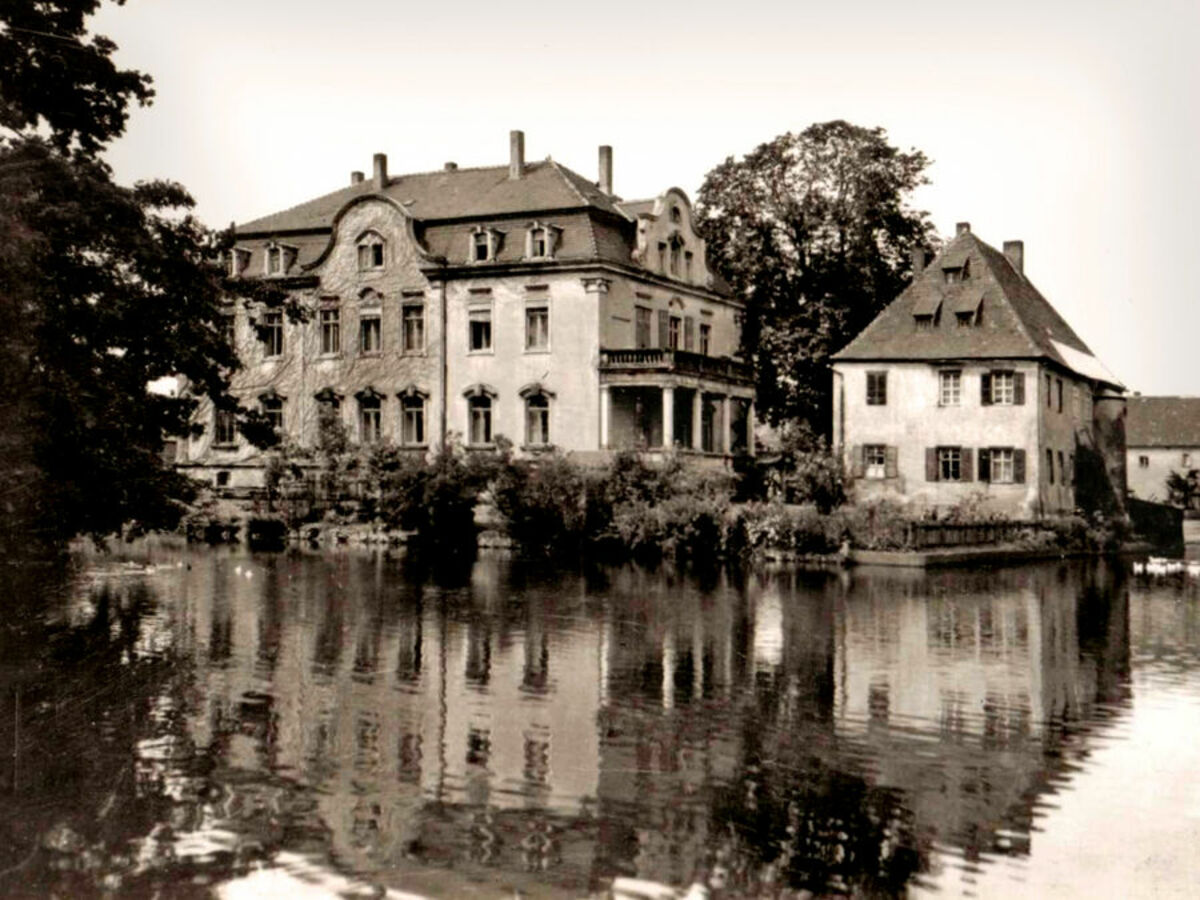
x=381, y=178
x=356, y=177
x=516, y=154
x=1015, y=251
x=451, y=167
x=606, y=169
x=962, y=228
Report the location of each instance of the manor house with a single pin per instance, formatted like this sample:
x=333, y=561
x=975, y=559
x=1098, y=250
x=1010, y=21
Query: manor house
x=521, y=300
x=970, y=387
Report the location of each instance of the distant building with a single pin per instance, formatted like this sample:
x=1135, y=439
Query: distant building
x=520, y=300
x=971, y=386
x=1162, y=435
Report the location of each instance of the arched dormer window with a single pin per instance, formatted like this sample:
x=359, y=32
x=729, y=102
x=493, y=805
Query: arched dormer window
x=537, y=414
x=676, y=215
x=370, y=251
x=278, y=258
x=480, y=403
x=239, y=259
x=485, y=244
x=541, y=241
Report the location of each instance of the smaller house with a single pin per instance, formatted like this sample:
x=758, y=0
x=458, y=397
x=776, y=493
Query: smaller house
x=1162, y=435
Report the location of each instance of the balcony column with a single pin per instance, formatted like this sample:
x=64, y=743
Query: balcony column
x=697, y=419
x=725, y=444
x=605, y=415
x=668, y=417
x=750, y=427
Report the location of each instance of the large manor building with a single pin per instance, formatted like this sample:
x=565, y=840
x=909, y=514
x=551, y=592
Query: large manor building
x=971, y=388
x=521, y=300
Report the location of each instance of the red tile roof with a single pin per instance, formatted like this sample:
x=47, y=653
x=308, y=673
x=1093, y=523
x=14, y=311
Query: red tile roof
x=1162, y=422
x=1016, y=321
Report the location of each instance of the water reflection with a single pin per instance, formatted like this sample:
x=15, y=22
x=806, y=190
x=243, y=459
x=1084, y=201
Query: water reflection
x=854, y=733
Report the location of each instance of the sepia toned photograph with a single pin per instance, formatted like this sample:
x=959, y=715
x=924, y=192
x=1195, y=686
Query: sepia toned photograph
x=601, y=451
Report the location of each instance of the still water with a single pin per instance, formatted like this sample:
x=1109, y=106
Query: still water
x=213, y=722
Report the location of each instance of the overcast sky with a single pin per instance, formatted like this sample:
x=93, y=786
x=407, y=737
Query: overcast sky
x=1071, y=126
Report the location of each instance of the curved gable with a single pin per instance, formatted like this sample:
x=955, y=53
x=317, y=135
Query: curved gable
x=667, y=242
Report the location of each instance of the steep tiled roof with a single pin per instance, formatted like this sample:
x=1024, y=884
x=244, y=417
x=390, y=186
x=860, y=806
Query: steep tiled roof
x=1015, y=321
x=452, y=194
x=1162, y=422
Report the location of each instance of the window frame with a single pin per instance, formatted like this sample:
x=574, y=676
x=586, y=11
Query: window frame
x=481, y=315
x=410, y=326
x=705, y=338
x=996, y=459
x=371, y=252
x=874, y=468
x=537, y=340
x=329, y=319
x=272, y=330
x=537, y=405
x=1003, y=387
x=952, y=379
x=413, y=407
x=225, y=433
x=949, y=464
x=643, y=328
x=364, y=321
x=272, y=407
x=480, y=408
x=1143, y=461
x=877, y=388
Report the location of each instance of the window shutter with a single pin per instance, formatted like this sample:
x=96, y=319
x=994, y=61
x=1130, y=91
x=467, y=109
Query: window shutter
x=931, y=466
x=664, y=338
x=858, y=460
x=985, y=389
x=891, y=462
x=1019, y=466
x=883, y=388
x=968, y=469
x=1019, y=388
x=689, y=333
x=985, y=464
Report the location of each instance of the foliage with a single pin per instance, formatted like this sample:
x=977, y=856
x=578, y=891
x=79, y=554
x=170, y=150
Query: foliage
x=1183, y=488
x=103, y=289
x=813, y=230
x=545, y=503
x=812, y=473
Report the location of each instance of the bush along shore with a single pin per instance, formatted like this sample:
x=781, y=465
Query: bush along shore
x=450, y=501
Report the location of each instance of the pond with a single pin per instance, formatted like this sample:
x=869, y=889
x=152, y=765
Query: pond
x=212, y=722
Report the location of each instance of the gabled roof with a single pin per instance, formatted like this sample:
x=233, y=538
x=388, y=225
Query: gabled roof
x=1162, y=422
x=452, y=194
x=1015, y=320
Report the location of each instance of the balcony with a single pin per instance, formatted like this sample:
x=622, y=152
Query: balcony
x=675, y=362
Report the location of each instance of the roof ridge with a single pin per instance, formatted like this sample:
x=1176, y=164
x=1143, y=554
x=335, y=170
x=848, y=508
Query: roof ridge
x=1021, y=323
x=562, y=172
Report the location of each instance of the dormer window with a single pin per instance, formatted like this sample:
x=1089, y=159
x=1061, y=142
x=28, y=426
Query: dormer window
x=482, y=251
x=676, y=215
x=238, y=260
x=370, y=252
x=965, y=319
x=541, y=241
x=485, y=244
x=274, y=260
x=924, y=323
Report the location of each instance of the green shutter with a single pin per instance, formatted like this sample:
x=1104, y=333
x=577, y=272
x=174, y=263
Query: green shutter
x=968, y=468
x=891, y=462
x=1019, y=466
x=985, y=464
x=664, y=334
x=985, y=389
x=931, y=464
x=1019, y=388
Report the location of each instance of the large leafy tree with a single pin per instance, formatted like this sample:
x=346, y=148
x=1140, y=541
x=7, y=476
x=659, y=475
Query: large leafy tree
x=103, y=289
x=815, y=232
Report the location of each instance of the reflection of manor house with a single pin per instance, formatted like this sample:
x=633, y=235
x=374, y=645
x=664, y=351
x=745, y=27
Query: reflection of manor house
x=520, y=300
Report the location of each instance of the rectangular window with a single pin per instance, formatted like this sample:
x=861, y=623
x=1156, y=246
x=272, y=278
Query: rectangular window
x=705, y=338
x=641, y=336
x=875, y=461
x=480, y=337
x=369, y=421
x=537, y=421
x=949, y=463
x=537, y=328
x=1143, y=462
x=689, y=333
x=1003, y=388
x=273, y=409
x=664, y=339
x=225, y=428
x=272, y=334
x=1050, y=464
x=687, y=264
x=412, y=429
x=674, y=326
x=1049, y=394
x=1003, y=471
x=950, y=383
x=481, y=420
x=877, y=389
x=274, y=260
x=413, y=327
x=481, y=246
x=331, y=330
x=370, y=334
x=537, y=242
x=1060, y=395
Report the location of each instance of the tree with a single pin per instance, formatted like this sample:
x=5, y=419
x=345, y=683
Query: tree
x=103, y=289
x=813, y=232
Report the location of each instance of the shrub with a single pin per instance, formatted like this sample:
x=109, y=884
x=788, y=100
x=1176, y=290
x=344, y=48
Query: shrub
x=544, y=502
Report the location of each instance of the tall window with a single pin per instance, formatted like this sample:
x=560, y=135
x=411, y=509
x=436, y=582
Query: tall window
x=674, y=326
x=331, y=330
x=479, y=243
x=705, y=338
x=1002, y=465
x=1050, y=464
x=1003, y=388
x=1060, y=395
x=274, y=260
x=537, y=328
x=370, y=332
x=537, y=420
x=370, y=252
x=412, y=426
x=480, y=412
x=480, y=330
x=950, y=383
x=1143, y=462
x=272, y=408
x=413, y=326
x=641, y=327
x=224, y=427
x=876, y=388
x=875, y=460
x=689, y=333
x=538, y=242
x=949, y=463
x=370, y=418
x=272, y=334
x=1049, y=393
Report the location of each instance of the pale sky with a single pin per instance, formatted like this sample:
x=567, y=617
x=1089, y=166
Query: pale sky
x=1072, y=126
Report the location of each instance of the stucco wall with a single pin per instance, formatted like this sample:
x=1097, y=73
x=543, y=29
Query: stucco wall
x=618, y=320
x=912, y=420
x=1150, y=482
x=1060, y=429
